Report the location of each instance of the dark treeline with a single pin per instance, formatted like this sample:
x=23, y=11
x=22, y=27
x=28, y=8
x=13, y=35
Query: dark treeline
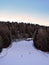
x=14, y=30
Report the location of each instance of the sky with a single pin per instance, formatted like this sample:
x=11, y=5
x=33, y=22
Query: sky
x=29, y=11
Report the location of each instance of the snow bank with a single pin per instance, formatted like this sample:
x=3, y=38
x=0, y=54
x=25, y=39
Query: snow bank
x=23, y=53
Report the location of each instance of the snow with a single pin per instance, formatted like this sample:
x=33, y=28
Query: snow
x=22, y=52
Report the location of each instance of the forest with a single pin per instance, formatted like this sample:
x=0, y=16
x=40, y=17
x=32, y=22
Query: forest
x=13, y=30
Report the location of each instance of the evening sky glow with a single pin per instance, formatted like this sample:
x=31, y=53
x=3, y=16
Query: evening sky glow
x=29, y=11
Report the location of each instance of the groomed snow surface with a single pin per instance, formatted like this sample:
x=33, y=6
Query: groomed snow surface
x=22, y=52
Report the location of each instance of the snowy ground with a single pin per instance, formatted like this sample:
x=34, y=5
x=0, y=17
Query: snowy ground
x=22, y=52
